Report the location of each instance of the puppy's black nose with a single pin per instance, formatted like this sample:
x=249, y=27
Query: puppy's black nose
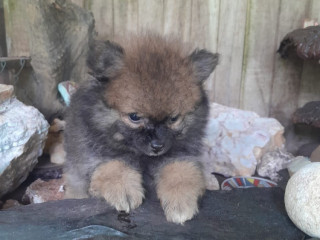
x=156, y=145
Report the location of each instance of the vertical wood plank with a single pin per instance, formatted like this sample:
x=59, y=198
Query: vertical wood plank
x=232, y=24
x=150, y=15
x=80, y=3
x=310, y=84
x=16, y=28
x=287, y=72
x=204, y=23
x=125, y=17
x=177, y=18
x=260, y=50
x=3, y=44
x=4, y=78
x=314, y=10
x=103, y=15
x=204, y=31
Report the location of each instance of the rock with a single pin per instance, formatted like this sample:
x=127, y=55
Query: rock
x=45, y=170
x=54, y=143
x=6, y=92
x=240, y=214
x=272, y=162
x=237, y=139
x=23, y=131
x=315, y=155
x=304, y=41
x=301, y=138
x=309, y=114
x=302, y=199
x=10, y=203
x=297, y=163
x=306, y=149
x=43, y=191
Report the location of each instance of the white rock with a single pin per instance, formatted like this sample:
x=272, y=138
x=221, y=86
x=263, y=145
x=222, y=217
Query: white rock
x=297, y=163
x=237, y=139
x=302, y=199
x=23, y=131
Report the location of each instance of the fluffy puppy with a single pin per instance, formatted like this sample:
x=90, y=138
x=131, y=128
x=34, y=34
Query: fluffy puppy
x=143, y=110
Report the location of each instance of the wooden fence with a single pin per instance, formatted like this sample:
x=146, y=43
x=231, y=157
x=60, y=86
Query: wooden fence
x=246, y=33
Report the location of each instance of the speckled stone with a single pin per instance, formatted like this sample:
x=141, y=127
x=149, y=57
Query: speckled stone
x=272, y=162
x=302, y=199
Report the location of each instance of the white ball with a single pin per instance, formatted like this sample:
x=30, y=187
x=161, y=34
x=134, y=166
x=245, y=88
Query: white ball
x=302, y=199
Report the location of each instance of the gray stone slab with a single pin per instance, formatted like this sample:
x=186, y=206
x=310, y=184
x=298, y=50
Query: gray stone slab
x=238, y=214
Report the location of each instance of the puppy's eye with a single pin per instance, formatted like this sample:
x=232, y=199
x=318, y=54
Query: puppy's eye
x=134, y=117
x=174, y=119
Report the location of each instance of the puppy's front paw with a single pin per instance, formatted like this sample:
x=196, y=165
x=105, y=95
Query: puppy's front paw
x=179, y=185
x=118, y=184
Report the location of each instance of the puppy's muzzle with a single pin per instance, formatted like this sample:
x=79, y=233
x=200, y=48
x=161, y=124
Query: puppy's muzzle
x=156, y=146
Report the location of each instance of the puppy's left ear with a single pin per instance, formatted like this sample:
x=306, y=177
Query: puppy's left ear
x=105, y=59
x=204, y=62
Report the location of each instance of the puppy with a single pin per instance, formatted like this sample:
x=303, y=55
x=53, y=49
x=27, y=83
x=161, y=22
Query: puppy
x=143, y=110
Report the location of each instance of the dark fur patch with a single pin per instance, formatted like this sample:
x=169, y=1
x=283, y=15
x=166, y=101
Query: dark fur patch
x=104, y=59
x=204, y=63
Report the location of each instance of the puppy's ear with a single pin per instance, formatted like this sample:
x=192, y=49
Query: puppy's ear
x=105, y=59
x=204, y=62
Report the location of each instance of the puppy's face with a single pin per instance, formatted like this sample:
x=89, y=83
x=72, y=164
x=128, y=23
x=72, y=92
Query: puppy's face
x=156, y=88
x=150, y=136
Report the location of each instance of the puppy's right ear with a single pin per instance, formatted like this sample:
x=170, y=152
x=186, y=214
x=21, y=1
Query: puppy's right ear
x=105, y=59
x=204, y=62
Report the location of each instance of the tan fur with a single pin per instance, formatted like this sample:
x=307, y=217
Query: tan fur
x=55, y=135
x=54, y=142
x=74, y=187
x=118, y=137
x=179, y=185
x=128, y=122
x=154, y=67
x=120, y=185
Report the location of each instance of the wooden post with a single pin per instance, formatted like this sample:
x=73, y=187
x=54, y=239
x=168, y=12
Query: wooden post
x=4, y=77
x=3, y=45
